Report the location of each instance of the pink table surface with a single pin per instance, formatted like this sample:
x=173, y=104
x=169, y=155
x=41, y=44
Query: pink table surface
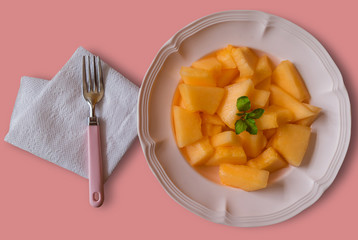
x=39, y=200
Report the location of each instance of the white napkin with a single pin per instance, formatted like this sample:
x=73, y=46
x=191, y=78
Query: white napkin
x=49, y=119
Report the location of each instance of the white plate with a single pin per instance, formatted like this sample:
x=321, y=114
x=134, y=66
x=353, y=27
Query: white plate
x=294, y=189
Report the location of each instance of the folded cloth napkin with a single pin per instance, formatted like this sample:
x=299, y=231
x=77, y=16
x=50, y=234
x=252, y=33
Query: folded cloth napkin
x=49, y=119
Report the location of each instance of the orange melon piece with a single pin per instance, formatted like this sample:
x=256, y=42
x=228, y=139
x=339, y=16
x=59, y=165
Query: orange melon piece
x=187, y=126
x=288, y=78
x=281, y=98
x=227, y=109
x=263, y=69
x=308, y=121
x=181, y=102
x=269, y=133
x=210, y=64
x=225, y=139
x=177, y=98
x=201, y=98
x=268, y=120
x=283, y=115
x=212, y=119
x=224, y=56
x=199, y=151
x=253, y=144
x=291, y=141
x=264, y=84
x=245, y=59
x=198, y=77
x=268, y=160
x=259, y=98
x=243, y=177
x=227, y=76
x=241, y=79
x=210, y=129
x=233, y=155
x=273, y=117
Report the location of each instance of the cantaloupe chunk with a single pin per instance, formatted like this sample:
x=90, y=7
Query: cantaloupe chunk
x=268, y=160
x=224, y=56
x=225, y=139
x=210, y=64
x=308, y=121
x=209, y=129
x=227, y=76
x=233, y=155
x=281, y=98
x=199, y=152
x=187, y=126
x=283, y=114
x=245, y=59
x=259, y=98
x=181, y=102
x=241, y=79
x=198, y=77
x=291, y=141
x=200, y=98
x=177, y=98
x=263, y=69
x=288, y=78
x=264, y=84
x=273, y=117
x=268, y=134
x=212, y=119
x=253, y=144
x=269, y=142
x=244, y=177
x=227, y=109
x=268, y=120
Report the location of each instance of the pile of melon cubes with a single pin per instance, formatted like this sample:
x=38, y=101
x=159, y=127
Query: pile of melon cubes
x=204, y=115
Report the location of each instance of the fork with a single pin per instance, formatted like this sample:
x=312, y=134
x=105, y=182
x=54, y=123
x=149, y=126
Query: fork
x=93, y=91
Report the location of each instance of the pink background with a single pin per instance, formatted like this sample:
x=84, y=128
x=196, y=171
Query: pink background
x=40, y=200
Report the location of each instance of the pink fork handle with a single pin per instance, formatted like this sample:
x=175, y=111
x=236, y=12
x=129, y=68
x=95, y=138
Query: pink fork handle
x=95, y=177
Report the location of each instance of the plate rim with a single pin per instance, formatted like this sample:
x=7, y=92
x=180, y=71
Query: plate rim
x=148, y=144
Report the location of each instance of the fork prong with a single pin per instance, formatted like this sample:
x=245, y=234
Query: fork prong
x=95, y=77
x=84, y=75
x=89, y=73
x=101, y=88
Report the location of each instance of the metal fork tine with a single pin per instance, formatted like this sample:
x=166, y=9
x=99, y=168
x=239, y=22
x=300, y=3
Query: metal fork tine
x=100, y=75
x=89, y=73
x=95, y=77
x=84, y=75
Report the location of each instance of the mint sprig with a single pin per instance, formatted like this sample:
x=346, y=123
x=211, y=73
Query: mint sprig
x=247, y=119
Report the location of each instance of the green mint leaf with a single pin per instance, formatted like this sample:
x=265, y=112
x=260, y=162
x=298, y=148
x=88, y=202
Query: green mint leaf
x=240, y=114
x=243, y=104
x=240, y=126
x=251, y=126
x=257, y=113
